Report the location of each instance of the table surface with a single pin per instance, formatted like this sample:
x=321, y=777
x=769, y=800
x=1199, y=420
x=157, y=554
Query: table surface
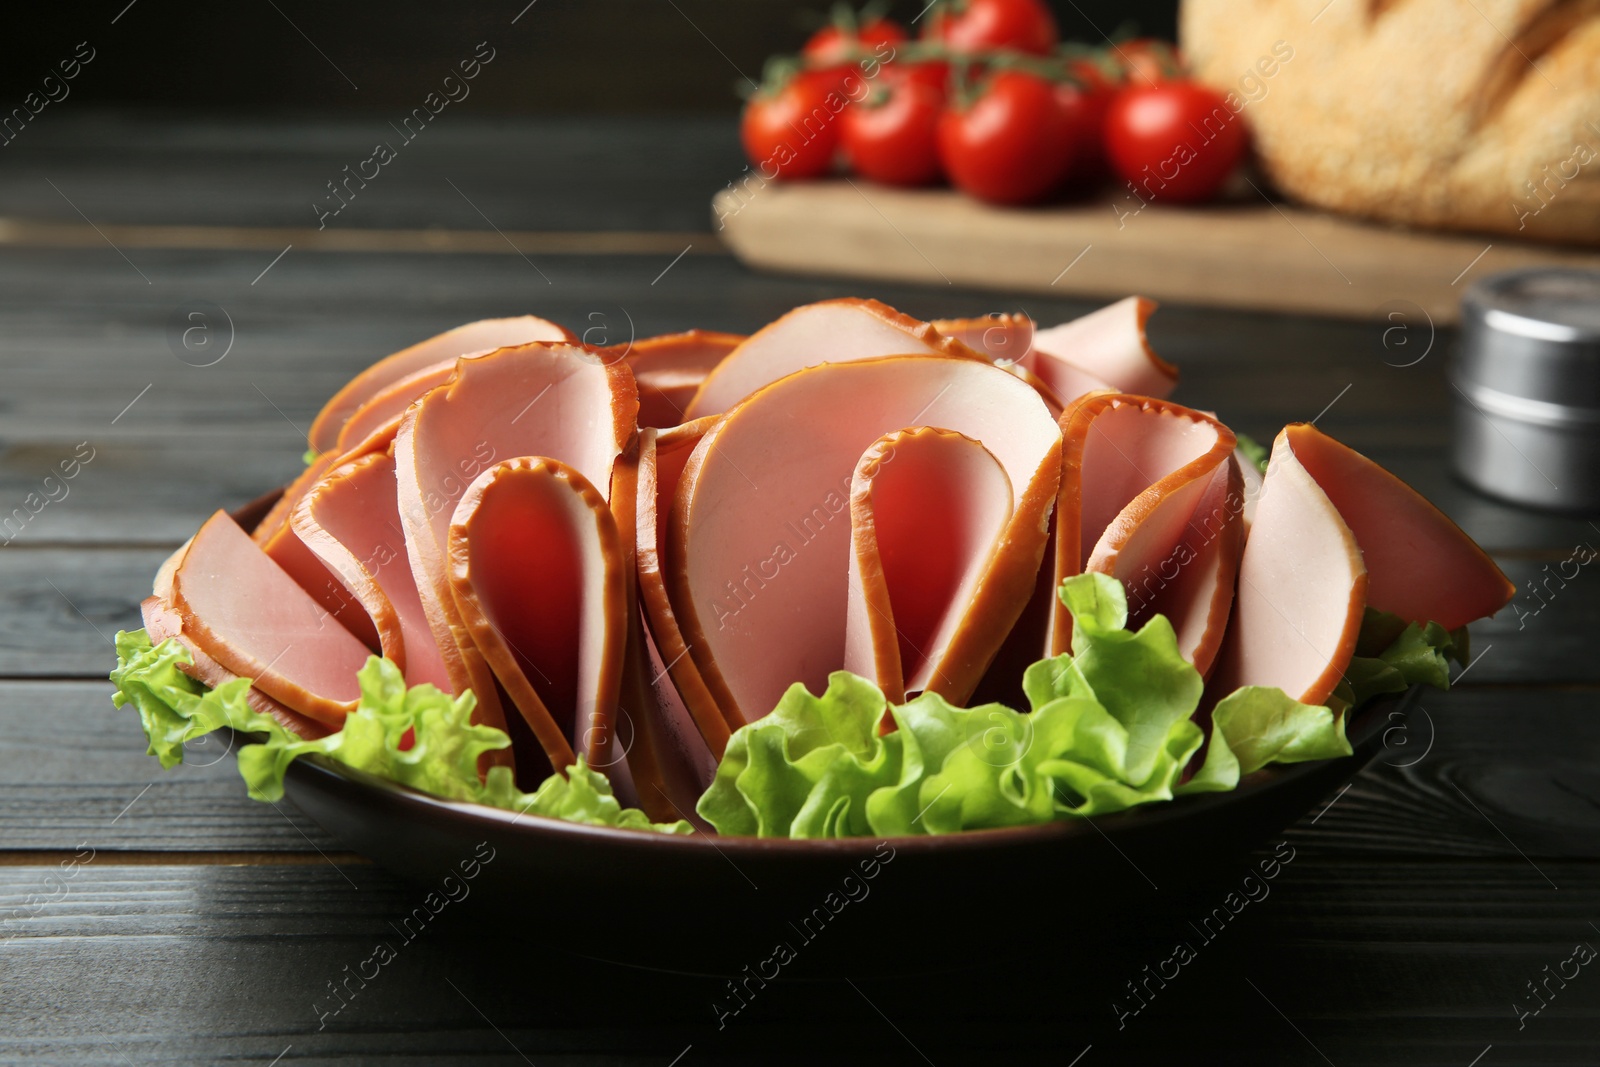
x=150, y=916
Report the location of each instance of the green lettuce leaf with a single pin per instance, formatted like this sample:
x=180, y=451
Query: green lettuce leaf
x=1257, y=725
x=1392, y=655
x=806, y=769
x=1109, y=728
x=442, y=759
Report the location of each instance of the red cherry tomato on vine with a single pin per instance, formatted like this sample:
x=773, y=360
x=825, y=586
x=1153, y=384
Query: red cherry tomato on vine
x=1175, y=141
x=1010, y=145
x=792, y=131
x=932, y=73
x=835, y=45
x=892, y=135
x=1148, y=61
x=1084, y=98
x=980, y=25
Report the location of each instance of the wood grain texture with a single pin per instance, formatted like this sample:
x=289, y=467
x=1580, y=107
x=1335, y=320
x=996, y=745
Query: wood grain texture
x=1248, y=254
x=634, y=174
x=1420, y=902
x=1401, y=963
x=74, y=773
x=77, y=356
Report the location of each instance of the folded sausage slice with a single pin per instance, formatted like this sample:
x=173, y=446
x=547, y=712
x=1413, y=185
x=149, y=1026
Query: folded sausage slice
x=277, y=517
x=669, y=370
x=927, y=509
x=1005, y=339
x=1109, y=345
x=833, y=331
x=1420, y=565
x=538, y=579
x=1302, y=590
x=245, y=612
x=1150, y=495
x=658, y=757
x=446, y=347
x=552, y=400
x=681, y=691
x=758, y=556
x=1008, y=340
x=328, y=589
x=351, y=522
x=371, y=427
x=161, y=623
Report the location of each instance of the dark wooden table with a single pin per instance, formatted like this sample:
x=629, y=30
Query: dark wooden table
x=150, y=917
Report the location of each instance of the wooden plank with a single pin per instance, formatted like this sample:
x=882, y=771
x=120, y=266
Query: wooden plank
x=78, y=355
x=150, y=492
x=63, y=606
x=1484, y=770
x=1378, y=964
x=1248, y=254
x=74, y=773
x=23, y=233
x=554, y=174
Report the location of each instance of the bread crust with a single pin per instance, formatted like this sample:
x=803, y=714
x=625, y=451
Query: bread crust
x=1450, y=114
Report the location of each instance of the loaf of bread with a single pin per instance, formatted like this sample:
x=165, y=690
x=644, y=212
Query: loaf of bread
x=1454, y=114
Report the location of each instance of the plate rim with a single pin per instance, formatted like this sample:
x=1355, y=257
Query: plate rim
x=1364, y=732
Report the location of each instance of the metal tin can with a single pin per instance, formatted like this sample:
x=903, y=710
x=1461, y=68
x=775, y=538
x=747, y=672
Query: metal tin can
x=1527, y=388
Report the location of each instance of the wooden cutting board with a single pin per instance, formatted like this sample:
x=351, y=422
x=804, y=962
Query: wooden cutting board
x=1248, y=255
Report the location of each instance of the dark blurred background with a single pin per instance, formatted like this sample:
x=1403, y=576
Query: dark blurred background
x=557, y=57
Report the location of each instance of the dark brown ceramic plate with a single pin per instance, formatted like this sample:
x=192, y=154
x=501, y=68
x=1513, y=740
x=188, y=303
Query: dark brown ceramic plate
x=713, y=905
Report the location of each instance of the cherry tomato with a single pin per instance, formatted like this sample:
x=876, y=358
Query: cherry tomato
x=979, y=25
x=1148, y=61
x=791, y=130
x=1174, y=140
x=1085, y=96
x=1010, y=145
x=892, y=135
x=837, y=45
x=933, y=73
x=1098, y=71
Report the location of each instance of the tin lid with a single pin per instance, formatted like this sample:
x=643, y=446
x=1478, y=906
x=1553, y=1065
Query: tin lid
x=1530, y=340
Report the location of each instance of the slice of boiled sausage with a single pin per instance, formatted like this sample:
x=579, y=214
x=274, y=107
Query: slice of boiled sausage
x=478, y=336
x=245, y=612
x=662, y=456
x=1302, y=590
x=537, y=575
x=758, y=557
x=351, y=522
x=1151, y=496
x=913, y=579
x=671, y=368
x=833, y=331
x=1420, y=565
x=548, y=400
x=1109, y=345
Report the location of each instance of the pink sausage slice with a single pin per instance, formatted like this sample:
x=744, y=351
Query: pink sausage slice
x=758, y=554
x=245, y=612
x=538, y=579
x=833, y=331
x=1108, y=345
x=481, y=336
x=927, y=510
